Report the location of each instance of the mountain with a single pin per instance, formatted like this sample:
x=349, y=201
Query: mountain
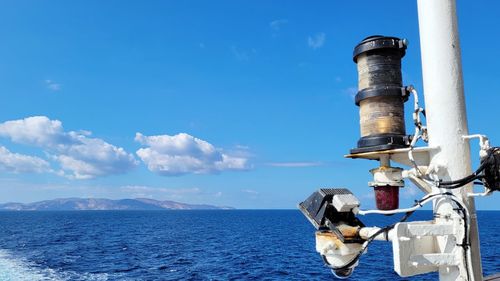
x=69, y=204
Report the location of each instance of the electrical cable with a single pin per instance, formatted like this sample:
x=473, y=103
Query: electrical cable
x=480, y=174
x=417, y=205
x=385, y=229
x=470, y=178
x=465, y=241
x=365, y=246
x=421, y=133
x=460, y=184
x=420, y=130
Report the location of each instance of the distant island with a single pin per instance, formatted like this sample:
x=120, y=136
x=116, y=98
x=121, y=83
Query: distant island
x=75, y=204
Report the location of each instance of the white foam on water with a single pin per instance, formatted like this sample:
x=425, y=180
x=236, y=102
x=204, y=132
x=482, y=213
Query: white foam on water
x=19, y=269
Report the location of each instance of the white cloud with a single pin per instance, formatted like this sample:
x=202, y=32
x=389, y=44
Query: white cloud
x=351, y=91
x=243, y=54
x=20, y=163
x=160, y=193
x=184, y=154
x=277, y=24
x=295, y=164
x=250, y=191
x=242, y=147
x=240, y=54
x=409, y=191
x=163, y=193
x=317, y=41
x=53, y=86
x=369, y=195
x=252, y=194
x=76, y=152
x=174, y=191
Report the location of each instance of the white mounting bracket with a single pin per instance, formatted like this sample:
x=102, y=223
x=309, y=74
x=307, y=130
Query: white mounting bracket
x=416, y=250
x=400, y=155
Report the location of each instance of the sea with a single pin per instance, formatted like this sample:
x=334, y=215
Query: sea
x=191, y=245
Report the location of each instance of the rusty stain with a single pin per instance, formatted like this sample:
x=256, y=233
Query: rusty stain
x=330, y=237
x=347, y=232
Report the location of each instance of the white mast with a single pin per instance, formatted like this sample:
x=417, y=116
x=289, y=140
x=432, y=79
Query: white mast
x=449, y=243
x=446, y=116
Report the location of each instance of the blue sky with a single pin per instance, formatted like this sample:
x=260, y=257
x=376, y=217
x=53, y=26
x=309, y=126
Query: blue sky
x=240, y=103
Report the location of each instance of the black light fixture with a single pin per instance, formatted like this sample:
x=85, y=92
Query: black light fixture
x=328, y=207
x=381, y=94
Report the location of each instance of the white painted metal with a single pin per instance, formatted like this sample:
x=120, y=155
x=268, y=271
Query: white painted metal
x=420, y=247
x=345, y=202
x=367, y=232
x=418, y=182
x=336, y=252
x=385, y=175
x=400, y=155
x=484, y=144
x=446, y=119
x=415, y=251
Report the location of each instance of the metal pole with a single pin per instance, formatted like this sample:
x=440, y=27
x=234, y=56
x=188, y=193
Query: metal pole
x=446, y=116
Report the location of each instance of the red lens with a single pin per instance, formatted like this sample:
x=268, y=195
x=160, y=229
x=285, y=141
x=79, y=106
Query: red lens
x=387, y=197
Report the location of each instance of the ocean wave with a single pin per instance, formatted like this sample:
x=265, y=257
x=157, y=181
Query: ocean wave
x=14, y=268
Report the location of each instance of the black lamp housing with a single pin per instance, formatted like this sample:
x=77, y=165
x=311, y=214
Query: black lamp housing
x=381, y=94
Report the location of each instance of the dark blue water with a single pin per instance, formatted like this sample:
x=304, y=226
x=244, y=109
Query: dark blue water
x=188, y=245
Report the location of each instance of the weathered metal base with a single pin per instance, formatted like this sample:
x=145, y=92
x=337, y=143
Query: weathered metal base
x=400, y=155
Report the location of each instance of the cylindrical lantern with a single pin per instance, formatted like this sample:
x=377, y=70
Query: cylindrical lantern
x=381, y=94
